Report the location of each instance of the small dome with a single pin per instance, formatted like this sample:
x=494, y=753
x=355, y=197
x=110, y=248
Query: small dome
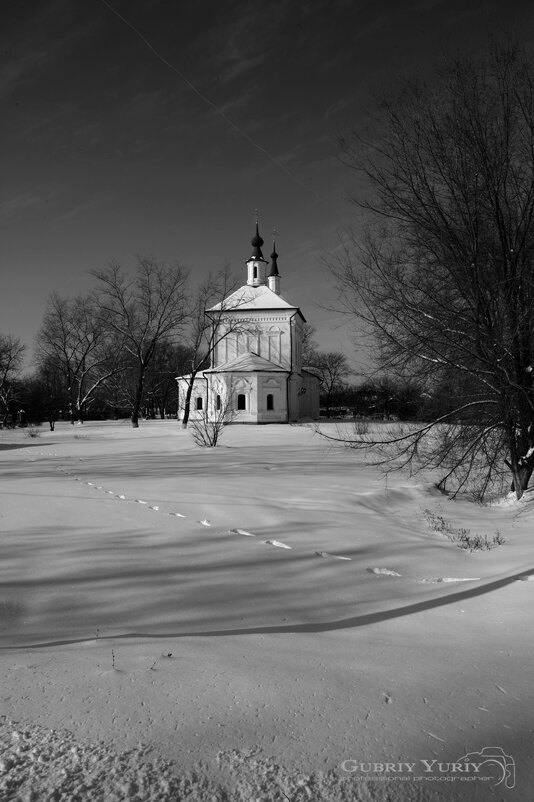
x=256, y=243
x=274, y=264
x=256, y=240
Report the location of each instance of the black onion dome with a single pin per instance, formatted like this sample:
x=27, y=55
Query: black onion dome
x=256, y=243
x=274, y=262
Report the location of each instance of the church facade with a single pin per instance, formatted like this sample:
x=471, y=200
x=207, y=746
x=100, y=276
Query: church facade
x=256, y=373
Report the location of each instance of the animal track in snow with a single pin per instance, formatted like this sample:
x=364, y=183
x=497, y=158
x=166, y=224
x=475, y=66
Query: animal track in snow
x=383, y=572
x=277, y=543
x=178, y=515
x=156, y=509
x=436, y=737
x=327, y=555
x=205, y=522
x=139, y=501
x=121, y=496
x=241, y=532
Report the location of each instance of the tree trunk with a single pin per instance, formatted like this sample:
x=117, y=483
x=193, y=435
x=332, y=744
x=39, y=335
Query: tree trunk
x=137, y=401
x=521, y=474
x=187, y=404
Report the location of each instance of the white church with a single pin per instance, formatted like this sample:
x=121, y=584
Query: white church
x=256, y=373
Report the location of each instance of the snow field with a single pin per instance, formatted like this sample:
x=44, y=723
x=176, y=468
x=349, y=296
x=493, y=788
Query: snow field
x=310, y=612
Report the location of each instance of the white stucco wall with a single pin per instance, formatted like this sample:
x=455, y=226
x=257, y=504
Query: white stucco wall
x=256, y=387
x=265, y=334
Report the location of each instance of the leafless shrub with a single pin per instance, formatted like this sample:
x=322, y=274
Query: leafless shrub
x=207, y=429
x=461, y=536
x=32, y=432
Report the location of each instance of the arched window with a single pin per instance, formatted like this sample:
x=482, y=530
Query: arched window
x=255, y=271
x=199, y=402
x=218, y=402
x=270, y=401
x=241, y=401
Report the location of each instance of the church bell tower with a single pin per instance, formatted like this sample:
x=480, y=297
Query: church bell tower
x=256, y=264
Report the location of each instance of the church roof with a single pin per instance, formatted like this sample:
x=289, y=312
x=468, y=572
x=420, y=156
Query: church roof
x=249, y=362
x=248, y=297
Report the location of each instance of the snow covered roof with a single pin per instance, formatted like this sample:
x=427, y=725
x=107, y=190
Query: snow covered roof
x=248, y=361
x=248, y=297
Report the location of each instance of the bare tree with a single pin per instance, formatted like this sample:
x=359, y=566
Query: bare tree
x=444, y=277
x=50, y=391
x=143, y=311
x=332, y=368
x=310, y=346
x=76, y=339
x=161, y=392
x=11, y=360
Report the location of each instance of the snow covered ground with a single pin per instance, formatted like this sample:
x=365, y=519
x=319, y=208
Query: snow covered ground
x=273, y=608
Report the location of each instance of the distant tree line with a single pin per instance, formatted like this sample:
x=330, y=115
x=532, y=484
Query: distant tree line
x=116, y=351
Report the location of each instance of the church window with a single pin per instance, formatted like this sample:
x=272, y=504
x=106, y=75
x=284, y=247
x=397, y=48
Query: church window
x=218, y=402
x=255, y=272
x=241, y=401
x=199, y=402
x=270, y=401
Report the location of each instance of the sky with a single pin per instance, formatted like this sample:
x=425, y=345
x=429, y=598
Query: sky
x=157, y=128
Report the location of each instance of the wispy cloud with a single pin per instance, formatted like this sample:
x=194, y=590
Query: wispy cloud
x=16, y=205
x=40, y=40
x=240, y=41
x=241, y=100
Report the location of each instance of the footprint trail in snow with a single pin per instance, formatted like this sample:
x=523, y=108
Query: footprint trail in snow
x=205, y=522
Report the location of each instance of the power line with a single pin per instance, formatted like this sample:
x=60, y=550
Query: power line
x=210, y=103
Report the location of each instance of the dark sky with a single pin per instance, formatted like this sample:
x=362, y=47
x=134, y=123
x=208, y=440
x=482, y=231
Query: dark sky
x=160, y=133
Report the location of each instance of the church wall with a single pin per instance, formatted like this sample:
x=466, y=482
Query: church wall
x=268, y=335
x=274, y=386
x=256, y=387
x=293, y=393
x=200, y=391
